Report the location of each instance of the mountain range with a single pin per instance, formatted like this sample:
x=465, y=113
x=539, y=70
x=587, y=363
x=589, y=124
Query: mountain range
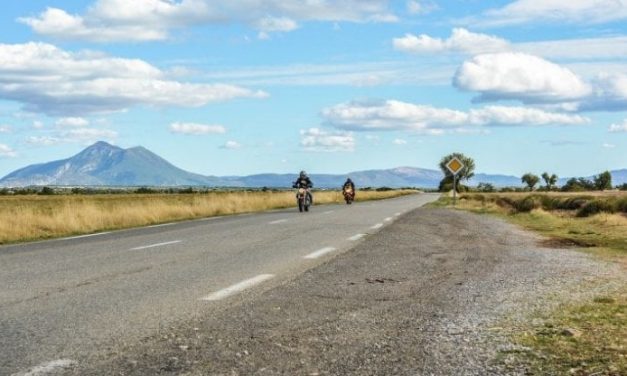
x=102, y=164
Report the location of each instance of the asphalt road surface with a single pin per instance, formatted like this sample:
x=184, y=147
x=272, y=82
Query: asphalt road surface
x=68, y=300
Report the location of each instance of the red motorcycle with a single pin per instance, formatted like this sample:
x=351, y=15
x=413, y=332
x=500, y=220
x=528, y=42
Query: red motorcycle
x=349, y=195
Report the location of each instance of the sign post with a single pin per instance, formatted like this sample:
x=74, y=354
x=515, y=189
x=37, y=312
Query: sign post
x=454, y=166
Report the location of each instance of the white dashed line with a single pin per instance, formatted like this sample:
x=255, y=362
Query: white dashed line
x=388, y=219
x=86, y=236
x=155, y=245
x=328, y=212
x=278, y=221
x=319, y=253
x=48, y=368
x=356, y=237
x=238, y=287
x=377, y=226
x=397, y=214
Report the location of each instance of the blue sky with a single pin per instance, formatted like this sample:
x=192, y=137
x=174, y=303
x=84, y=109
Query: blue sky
x=251, y=86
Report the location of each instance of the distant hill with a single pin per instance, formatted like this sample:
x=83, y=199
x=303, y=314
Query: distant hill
x=102, y=164
x=105, y=164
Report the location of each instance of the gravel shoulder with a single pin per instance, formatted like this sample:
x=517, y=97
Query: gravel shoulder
x=436, y=293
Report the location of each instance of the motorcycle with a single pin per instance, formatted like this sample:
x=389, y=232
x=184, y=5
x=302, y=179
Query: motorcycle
x=303, y=199
x=349, y=195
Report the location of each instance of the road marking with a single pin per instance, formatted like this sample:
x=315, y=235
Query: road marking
x=278, y=221
x=319, y=252
x=328, y=212
x=397, y=214
x=162, y=224
x=377, y=226
x=356, y=237
x=155, y=245
x=238, y=287
x=87, y=236
x=48, y=368
x=388, y=219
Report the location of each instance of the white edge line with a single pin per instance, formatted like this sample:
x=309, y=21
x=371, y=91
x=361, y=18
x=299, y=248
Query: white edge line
x=48, y=368
x=155, y=245
x=328, y=212
x=163, y=224
x=238, y=287
x=319, y=252
x=397, y=214
x=278, y=221
x=377, y=226
x=356, y=237
x=86, y=236
x=388, y=219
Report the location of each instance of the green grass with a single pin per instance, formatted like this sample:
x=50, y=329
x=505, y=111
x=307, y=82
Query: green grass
x=599, y=343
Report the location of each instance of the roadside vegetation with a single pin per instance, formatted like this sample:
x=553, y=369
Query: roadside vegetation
x=580, y=338
x=48, y=215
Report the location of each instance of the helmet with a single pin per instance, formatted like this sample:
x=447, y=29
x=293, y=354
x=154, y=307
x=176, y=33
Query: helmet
x=303, y=174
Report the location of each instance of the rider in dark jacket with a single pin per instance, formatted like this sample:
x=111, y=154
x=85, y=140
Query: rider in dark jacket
x=303, y=181
x=349, y=183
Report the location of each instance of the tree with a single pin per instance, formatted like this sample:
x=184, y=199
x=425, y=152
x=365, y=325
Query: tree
x=549, y=180
x=446, y=184
x=578, y=185
x=530, y=179
x=486, y=187
x=603, y=181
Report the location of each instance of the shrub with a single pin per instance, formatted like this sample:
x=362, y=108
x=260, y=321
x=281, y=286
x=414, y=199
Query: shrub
x=595, y=207
x=46, y=191
x=526, y=205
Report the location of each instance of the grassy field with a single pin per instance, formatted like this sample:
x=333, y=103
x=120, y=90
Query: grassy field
x=24, y=218
x=582, y=338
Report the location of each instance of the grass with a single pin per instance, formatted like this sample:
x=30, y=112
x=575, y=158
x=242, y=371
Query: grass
x=580, y=338
x=26, y=218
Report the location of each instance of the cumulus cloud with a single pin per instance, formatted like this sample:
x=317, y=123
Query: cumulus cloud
x=460, y=41
x=196, y=129
x=392, y=115
x=72, y=122
x=146, y=20
x=574, y=11
x=231, y=145
x=43, y=140
x=7, y=152
x=617, y=128
x=5, y=128
x=316, y=139
x=88, y=135
x=608, y=146
x=399, y=141
x=49, y=80
x=528, y=78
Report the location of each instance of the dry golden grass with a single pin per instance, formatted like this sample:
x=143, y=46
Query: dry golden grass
x=40, y=217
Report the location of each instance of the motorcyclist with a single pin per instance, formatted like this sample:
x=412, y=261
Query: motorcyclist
x=348, y=184
x=303, y=181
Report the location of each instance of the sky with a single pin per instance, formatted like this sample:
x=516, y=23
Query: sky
x=253, y=86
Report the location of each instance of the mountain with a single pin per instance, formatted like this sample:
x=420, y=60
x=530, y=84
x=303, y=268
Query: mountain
x=105, y=164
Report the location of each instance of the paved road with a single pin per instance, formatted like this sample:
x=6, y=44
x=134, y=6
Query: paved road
x=67, y=300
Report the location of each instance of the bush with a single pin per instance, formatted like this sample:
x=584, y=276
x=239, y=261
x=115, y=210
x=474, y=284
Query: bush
x=46, y=191
x=526, y=205
x=595, y=207
x=144, y=190
x=621, y=205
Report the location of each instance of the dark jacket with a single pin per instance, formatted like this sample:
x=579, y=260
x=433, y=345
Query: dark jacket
x=302, y=183
x=349, y=183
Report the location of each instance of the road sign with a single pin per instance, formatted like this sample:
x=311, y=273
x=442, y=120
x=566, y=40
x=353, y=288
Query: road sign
x=454, y=166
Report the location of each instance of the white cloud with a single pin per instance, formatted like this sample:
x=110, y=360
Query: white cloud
x=5, y=128
x=43, y=140
x=608, y=146
x=392, y=115
x=88, y=135
x=616, y=128
x=520, y=76
x=316, y=139
x=420, y=6
x=72, y=122
x=573, y=11
x=56, y=82
x=196, y=129
x=460, y=41
x=231, y=145
x=38, y=124
x=146, y=20
x=7, y=152
x=399, y=141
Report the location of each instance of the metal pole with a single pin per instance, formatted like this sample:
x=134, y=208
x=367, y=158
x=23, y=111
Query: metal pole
x=454, y=188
